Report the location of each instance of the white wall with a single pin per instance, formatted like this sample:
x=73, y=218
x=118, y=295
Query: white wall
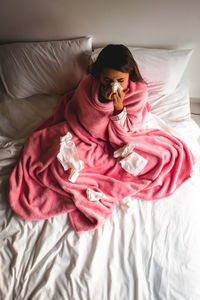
x=151, y=23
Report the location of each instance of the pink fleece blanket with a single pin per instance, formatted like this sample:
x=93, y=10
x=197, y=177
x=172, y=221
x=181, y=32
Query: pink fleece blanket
x=39, y=186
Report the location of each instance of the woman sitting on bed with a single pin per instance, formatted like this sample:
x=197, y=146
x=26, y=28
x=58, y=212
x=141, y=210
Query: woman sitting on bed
x=94, y=151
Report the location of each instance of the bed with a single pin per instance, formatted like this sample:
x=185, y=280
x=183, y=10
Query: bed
x=147, y=249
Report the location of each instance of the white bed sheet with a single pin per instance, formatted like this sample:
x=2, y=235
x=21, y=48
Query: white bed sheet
x=152, y=252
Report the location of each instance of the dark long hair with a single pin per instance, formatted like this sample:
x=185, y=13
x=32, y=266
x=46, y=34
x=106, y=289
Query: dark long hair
x=117, y=57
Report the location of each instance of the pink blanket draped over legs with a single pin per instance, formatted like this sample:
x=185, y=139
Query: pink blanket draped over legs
x=39, y=186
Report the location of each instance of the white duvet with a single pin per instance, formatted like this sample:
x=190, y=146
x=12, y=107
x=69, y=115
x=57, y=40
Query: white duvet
x=145, y=251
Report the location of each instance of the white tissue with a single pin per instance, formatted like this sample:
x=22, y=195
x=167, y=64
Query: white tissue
x=66, y=138
x=115, y=86
x=124, y=151
x=94, y=196
x=127, y=204
x=133, y=163
x=68, y=157
x=75, y=171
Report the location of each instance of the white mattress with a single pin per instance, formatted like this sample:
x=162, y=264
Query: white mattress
x=151, y=252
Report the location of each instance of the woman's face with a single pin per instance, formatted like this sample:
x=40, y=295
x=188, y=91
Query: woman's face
x=109, y=76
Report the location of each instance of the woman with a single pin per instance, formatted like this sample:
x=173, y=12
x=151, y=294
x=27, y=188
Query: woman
x=123, y=110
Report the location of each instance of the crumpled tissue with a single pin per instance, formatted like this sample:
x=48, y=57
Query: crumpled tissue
x=132, y=162
x=127, y=204
x=123, y=151
x=115, y=86
x=94, y=196
x=69, y=158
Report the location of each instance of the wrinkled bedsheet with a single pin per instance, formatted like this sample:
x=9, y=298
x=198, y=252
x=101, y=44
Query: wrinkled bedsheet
x=147, y=250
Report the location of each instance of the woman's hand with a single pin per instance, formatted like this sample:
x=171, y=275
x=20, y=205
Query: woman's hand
x=107, y=92
x=118, y=99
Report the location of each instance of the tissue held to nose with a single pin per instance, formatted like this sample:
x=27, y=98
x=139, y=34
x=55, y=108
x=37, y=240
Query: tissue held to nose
x=115, y=86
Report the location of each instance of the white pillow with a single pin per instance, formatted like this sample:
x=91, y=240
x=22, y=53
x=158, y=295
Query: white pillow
x=172, y=108
x=53, y=67
x=161, y=69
